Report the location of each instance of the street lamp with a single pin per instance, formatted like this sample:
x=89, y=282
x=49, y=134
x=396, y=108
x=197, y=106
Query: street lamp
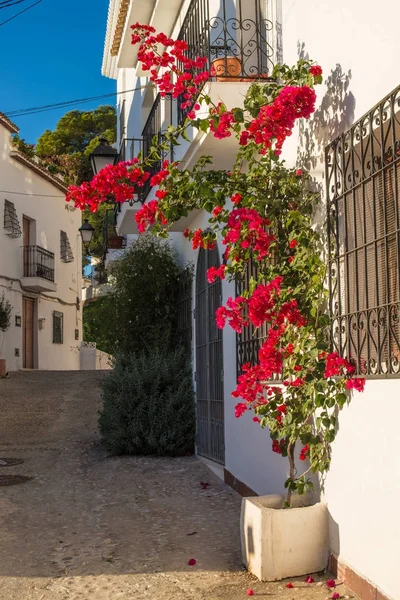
x=86, y=231
x=103, y=155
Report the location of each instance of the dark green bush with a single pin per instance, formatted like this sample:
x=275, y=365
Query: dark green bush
x=148, y=405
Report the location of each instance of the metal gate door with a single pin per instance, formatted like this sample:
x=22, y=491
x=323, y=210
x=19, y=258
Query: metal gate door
x=209, y=362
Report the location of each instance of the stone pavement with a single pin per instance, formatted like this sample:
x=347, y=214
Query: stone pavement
x=91, y=526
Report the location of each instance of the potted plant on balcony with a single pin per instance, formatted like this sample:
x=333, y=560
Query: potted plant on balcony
x=116, y=242
x=262, y=211
x=227, y=67
x=5, y=322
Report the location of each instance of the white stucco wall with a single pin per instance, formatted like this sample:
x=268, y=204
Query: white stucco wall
x=357, y=45
x=46, y=205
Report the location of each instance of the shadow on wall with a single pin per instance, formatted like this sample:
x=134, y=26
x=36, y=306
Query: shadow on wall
x=334, y=115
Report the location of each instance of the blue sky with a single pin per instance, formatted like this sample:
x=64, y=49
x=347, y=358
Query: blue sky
x=50, y=54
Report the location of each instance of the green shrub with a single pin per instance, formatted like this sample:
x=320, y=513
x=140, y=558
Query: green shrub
x=148, y=405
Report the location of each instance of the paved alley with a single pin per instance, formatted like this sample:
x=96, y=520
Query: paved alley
x=87, y=525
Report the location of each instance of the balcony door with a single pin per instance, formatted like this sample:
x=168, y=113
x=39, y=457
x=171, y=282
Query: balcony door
x=28, y=332
x=209, y=362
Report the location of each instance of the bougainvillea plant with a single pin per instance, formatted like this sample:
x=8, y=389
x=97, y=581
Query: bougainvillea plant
x=263, y=212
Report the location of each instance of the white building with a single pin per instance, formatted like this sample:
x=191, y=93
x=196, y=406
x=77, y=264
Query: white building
x=353, y=144
x=40, y=263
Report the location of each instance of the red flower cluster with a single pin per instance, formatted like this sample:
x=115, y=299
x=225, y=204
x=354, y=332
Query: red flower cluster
x=199, y=240
x=262, y=303
x=214, y=272
x=277, y=447
x=356, y=383
x=275, y=121
x=240, y=409
x=116, y=182
x=221, y=121
x=148, y=215
x=246, y=227
x=234, y=313
x=336, y=365
x=304, y=452
x=161, y=175
x=316, y=70
x=179, y=77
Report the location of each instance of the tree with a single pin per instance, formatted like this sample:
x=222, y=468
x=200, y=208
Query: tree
x=264, y=212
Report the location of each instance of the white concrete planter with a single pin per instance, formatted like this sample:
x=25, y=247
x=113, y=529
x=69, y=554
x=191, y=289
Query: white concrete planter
x=279, y=543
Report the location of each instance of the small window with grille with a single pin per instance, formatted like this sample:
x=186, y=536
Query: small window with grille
x=58, y=327
x=65, y=248
x=11, y=223
x=363, y=184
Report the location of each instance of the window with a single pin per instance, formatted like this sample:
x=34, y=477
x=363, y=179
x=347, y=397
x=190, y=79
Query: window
x=11, y=223
x=363, y=184
x=66, y=254
x=58, y=327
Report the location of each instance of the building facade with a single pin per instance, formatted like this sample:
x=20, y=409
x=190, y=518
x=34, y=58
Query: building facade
x=40, y=264
x=351, y=150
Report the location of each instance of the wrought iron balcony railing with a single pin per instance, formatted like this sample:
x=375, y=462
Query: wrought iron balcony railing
x=129, y=148
x=38, y=262
x=160, y=118
x=236, y=39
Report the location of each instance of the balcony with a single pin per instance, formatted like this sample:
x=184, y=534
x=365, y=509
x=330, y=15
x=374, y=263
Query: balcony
x=236, y=37
x=38, y=269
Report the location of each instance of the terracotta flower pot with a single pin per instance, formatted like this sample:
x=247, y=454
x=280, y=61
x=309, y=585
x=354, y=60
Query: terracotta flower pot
x=115, y=242
x=226, y=69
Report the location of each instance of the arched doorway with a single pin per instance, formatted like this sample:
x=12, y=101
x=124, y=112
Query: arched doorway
x=209, y=362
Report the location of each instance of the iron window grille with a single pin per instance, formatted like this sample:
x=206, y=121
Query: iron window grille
x=157, y=123
x=11, y=223
x=363, y=203
x=66, y=254
x=58, y=327
x=249, y=342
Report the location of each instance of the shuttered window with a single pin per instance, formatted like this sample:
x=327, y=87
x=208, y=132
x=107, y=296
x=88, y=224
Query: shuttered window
x=66, y=254
x=11, y=222
x=58, y=327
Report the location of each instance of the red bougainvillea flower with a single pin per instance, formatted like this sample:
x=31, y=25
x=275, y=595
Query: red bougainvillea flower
x=331, y=583
x=316, y=70
x=250, y=592
x=335, y=596
x=309, y=579
x=290, y=585
x=355, y=384
x=192, y=562
x=293, y=244
x=256, y=420
x=276, y=121
x=303, y=454
x=240, y=409
x=299, y=172
x=236, y=198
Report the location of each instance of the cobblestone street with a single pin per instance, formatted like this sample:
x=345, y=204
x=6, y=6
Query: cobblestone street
x=92, y=526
